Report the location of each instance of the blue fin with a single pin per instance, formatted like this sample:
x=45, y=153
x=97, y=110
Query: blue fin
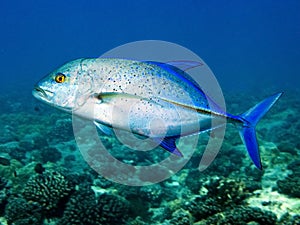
x=169, y=145
x=184, y=65
x=178, y=69
x=105, y=129
x=250, y=119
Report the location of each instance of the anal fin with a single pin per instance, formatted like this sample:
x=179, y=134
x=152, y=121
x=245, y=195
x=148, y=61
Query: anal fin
x=169, y=145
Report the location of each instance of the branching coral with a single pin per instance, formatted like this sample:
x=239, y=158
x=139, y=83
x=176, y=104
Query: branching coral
x=20, y=212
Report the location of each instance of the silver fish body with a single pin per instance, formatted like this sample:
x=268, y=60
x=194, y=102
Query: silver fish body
x=131, y=95
x=152, y=99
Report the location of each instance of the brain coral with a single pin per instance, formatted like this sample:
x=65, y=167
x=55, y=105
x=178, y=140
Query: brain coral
x=47, y=189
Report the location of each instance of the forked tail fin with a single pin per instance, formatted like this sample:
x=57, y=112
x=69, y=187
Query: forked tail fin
x=250, y=119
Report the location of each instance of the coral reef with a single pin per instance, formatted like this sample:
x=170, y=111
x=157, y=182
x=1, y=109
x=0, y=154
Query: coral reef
x=152, y=193
x=9, y=171
x=220, y=196
x=47, y=189
x=4, y=193
x=61, y=131
x=50, y=154
x=227, y=191
x=20, y=212
x=181, y=217
x=8, y=134
x=84, y=208
x=288, y=219
x=240, y=216
x=290, y=185
x=44, y=180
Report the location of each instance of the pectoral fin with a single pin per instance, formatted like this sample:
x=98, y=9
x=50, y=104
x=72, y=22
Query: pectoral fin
x=107, y=97
x=105, y=129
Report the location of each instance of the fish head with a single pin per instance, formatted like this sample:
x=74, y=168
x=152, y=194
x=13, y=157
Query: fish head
x=59, y=88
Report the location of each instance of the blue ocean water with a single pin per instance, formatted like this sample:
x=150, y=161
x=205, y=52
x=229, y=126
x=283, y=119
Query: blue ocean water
x=241, y=42
x=253, y=49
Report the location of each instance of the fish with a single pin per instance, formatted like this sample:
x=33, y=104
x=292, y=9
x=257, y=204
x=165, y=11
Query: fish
x=156, y=100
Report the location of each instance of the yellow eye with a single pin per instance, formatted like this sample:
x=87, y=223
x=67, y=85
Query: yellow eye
x=60, y=78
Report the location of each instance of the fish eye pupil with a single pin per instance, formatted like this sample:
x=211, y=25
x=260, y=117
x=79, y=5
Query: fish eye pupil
x=60, y=78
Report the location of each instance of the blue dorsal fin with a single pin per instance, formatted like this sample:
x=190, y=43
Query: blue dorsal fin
x=184, y=64
x=179, y=71
x=169, y=145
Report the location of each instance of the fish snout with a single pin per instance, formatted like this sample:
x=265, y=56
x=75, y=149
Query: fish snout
x=40, y=93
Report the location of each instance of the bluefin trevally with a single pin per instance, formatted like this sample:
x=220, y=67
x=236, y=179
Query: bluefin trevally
x=131, y=95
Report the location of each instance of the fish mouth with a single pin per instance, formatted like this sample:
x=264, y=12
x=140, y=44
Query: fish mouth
x=40, y=93
x=46, y=96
